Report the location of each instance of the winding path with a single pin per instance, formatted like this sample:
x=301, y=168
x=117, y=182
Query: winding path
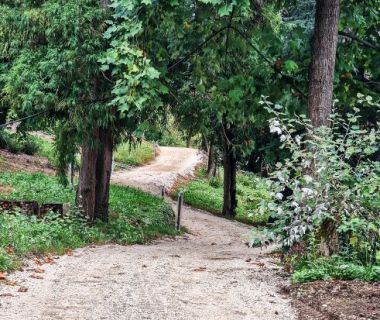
x=207, y=274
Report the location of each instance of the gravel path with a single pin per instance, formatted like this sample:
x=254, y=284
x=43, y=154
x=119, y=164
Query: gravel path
x=207, y=274
x=170, y=165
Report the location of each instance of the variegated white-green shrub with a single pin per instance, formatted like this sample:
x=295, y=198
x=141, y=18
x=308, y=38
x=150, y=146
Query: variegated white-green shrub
x=334, y=175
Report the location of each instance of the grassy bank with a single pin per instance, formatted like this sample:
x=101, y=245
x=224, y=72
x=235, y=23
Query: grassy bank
x=134, y=156
x=207, y=195
x=136, y=217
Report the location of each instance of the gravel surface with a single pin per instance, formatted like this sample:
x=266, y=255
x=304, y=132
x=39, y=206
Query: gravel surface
x=208, y=274
x=170, y=165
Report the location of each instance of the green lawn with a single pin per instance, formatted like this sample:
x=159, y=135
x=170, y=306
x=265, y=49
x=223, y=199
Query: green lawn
x=136, y=217
x=207, y=195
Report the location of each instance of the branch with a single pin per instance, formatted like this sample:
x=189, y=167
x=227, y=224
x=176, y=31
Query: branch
x=361, y=41
x=291, y=80
x=193, y=52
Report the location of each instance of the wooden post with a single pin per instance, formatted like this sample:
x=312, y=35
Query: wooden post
x=162, y=191
x=70, y=175
x=179, y=209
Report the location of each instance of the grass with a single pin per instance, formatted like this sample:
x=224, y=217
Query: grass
x=45, y=149
x=207, y=195
x=136, y=217
x=334, y=268
x=134, y=156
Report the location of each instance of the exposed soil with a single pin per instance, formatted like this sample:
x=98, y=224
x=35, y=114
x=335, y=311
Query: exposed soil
x=337, y=300
x=24, y=163
x=6, y=190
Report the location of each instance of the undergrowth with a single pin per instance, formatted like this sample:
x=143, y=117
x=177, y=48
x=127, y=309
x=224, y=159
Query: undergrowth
x=134, y=155
x=334, y=268
x=207, y=194
x=136, y=217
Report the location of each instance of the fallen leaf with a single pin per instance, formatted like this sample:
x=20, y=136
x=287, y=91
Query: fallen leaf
x=36, y=276
x=11, y=283
x=49, y=260
x=260, y=264
x=9, y=250
x=38, y=270
x=200, y=269
x=22, y=289
x=6, y=295
x=3, y=276
x=38, y=262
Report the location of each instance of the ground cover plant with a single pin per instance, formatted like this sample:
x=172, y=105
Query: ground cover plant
x=136, y=217
x=207, y=194
x=134, y=155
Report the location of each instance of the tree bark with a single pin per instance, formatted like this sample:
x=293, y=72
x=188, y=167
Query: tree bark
x=212, y=165
x=229, y=183
x=96, y=166
x=86, y=193
x=103, y=174
x=321, y=91
x=323, y=61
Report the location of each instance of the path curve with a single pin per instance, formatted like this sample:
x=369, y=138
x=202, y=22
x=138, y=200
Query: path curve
x=170, y=165
x=207, y=274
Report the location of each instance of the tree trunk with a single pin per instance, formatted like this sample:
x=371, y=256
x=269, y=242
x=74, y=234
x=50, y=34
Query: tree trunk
x=212, y=165
x=96, y=166
x=229, y=184
x=323, y=61
x=103, y=174
x=86, y=193
x=321, y=91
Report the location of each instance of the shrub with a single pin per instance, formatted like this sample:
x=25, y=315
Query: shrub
x=334, y=178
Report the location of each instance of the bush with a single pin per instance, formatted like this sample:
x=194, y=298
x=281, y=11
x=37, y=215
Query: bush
x=16, y=143
x=334, y=180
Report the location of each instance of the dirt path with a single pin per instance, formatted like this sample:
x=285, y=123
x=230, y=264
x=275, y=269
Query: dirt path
x=207, y=274
x=165, y=170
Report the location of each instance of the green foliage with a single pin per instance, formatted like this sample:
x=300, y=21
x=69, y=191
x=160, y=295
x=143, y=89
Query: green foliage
x=334, y=268
x=208, y=195
x=134, y=155
x=334, y=177
x=17, y=143
x=46, y=149
x=136, y=217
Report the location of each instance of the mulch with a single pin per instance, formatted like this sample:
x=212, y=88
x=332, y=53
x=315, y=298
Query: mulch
x=336, y=300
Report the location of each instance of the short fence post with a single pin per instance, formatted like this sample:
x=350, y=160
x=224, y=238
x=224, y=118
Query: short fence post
x=163, y=191
x=70, y=173
x=179, y=209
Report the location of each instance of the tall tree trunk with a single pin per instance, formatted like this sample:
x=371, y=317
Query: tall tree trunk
x=323, y=61
x=86, y=193
x=321, y=91
x=103, y=174
x=212, y=165
x=229, y=183
x=96, y=166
